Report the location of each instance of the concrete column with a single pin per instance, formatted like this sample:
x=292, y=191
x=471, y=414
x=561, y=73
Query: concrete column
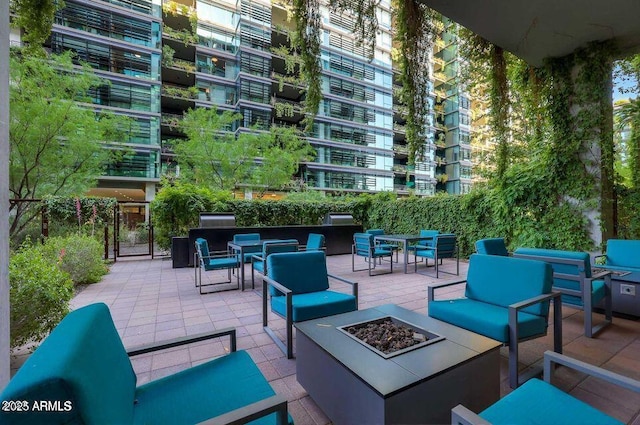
x=598, y=159
x=4, y=195
x=149, y=195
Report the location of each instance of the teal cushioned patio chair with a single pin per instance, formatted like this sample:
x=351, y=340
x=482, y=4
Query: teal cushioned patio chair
x=250, y=250
x=444, y=246
x=84, y=368
x=363, y=246
x=258, y=262
x=214, y=260
x=298, y=284
x=492, y=246
x=388, y=246
x=579, y=287
x=539, y=402
x=621, y=255
x=429, y=236
x=506, y=299
x=315, y=242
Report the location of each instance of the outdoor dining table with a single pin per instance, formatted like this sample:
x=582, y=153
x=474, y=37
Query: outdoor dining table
x=241, y=246
x=403, y=239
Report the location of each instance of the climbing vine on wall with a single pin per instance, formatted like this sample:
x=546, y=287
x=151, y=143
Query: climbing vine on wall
x=414, y=35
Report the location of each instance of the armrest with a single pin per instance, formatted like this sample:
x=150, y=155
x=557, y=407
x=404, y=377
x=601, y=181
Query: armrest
x=535, y=300
x=460, y=415
x=257, y=257
x=431, y=288
x=219, y=254
x=550, y=358
x=277, y=285
x=342, y=279
x=274, y=404
x=149, y=348
x=354, y=284
x=601, y=274
x=557, y=317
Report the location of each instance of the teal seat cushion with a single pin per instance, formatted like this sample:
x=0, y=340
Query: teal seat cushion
x=64, y=368
x=204, y=391
x=220, y=263
x=623, y=253
x=539, y=403
x=598, y=292
x=301, y=272
x=428, y=253
x=485, y=319
x=312, y=305
x=505, y=280
x=381, y=252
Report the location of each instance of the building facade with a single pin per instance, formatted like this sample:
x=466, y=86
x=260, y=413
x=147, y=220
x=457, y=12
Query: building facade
x=163, y=59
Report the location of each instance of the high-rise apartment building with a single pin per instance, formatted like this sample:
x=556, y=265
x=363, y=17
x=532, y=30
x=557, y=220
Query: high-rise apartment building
x=162, y=59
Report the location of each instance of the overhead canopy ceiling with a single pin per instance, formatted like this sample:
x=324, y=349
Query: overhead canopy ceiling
x=537, y=29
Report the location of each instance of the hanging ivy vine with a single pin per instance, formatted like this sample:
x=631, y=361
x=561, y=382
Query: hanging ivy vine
x=366, y=20
x=307, y=41
x=36, y=18
x=414, y=35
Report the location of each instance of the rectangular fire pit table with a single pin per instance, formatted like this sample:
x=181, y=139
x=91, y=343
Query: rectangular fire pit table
x=354, y=385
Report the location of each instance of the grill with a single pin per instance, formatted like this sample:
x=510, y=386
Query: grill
x=209, y=219
x=334, y=218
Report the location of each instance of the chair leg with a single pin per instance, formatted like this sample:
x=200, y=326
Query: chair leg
x=513, y=348
x=289, y=337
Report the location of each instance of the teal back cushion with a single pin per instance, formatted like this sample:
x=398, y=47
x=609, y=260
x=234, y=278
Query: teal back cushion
x=363, y=242
x=375, y=232
x=583, y=264
x=204, y=246
x=315, y=241
x=243, y=237
x=446, y=245
x=504, y=280
x=623, y=253
x=426, y=233
x=82, y=362
x=492, y=246
x=302, y=272
x=284, y=245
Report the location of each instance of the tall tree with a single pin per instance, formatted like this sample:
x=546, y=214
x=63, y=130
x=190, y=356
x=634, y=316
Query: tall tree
x=55, y=143
x=214, y=156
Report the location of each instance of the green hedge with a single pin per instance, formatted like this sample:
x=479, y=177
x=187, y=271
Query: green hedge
x=480, y=214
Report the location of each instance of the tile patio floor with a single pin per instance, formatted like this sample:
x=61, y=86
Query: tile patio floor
x=150, y=301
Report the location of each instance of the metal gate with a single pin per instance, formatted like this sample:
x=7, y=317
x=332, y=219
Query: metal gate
x=133, y=232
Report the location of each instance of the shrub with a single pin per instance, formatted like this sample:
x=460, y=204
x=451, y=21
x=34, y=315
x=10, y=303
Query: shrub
x=80, y=256
x=40, y=294
x=177, y=207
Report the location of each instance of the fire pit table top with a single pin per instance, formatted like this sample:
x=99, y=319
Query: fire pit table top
x=388, y=376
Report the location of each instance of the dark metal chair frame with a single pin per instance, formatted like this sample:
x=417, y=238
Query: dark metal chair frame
x=436, y=257
x=198, y=265
x=514, y=378
x=371, y=255
x=288, y=348
x=584, y=293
